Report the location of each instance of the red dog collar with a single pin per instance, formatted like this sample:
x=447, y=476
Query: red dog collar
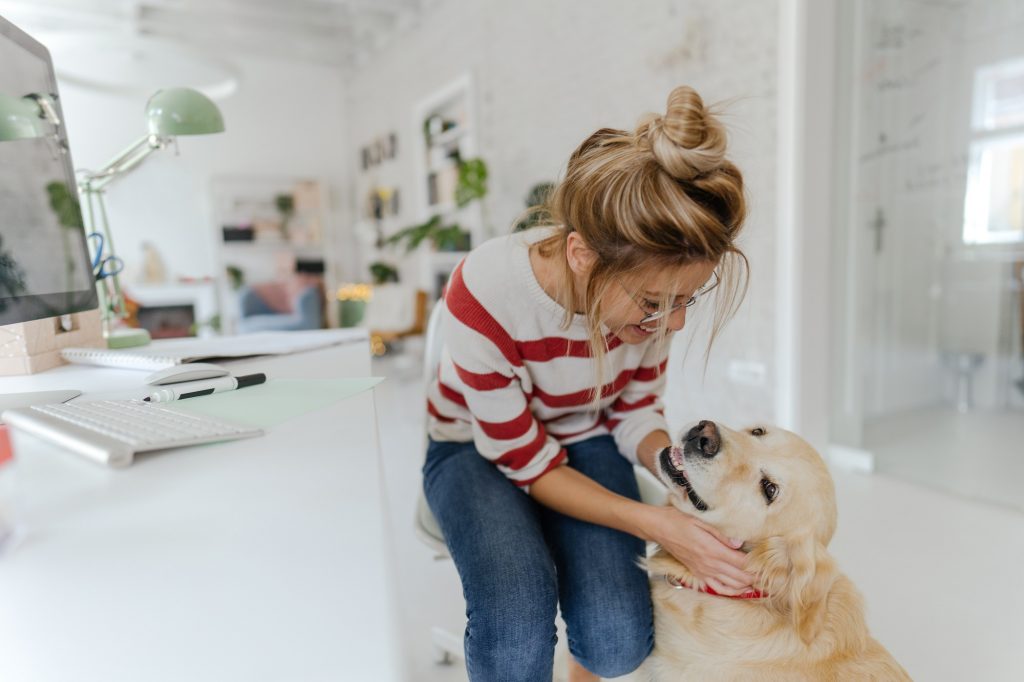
x=679, y=584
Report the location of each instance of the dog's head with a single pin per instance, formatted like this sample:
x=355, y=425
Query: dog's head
x=771, y=488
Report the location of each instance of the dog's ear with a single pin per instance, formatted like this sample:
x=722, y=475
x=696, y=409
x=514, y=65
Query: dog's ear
x=797, y=573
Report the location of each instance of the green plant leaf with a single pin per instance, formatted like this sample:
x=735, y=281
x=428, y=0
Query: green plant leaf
x=383, y=273
x=65, y=205
x=449, y=238
x=472, y=181
x=285, y=204
x=415, y=234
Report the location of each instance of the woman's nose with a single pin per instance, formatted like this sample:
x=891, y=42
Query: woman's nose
x=677, y=319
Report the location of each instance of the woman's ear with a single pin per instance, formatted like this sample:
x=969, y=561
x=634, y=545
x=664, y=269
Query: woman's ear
x=580, y=256
x=797, y=573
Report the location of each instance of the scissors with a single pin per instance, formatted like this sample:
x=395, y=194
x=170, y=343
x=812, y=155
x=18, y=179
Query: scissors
x=103, y=267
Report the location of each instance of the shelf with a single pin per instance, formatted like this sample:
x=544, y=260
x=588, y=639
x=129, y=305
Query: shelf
x=249, y=203
x=443, y=208
x=266, y=245
x=452, y=257
x=437, y=174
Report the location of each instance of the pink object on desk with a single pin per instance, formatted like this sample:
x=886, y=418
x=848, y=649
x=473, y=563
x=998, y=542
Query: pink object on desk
x=6, y=453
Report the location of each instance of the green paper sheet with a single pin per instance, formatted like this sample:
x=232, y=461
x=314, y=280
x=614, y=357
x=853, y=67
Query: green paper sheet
x=276, y=401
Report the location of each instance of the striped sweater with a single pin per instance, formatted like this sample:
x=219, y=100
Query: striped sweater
x=519, y=386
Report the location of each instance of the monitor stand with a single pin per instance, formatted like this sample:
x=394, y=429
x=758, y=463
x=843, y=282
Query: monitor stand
x=35, y=346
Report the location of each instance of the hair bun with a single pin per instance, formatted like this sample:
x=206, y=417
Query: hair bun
x=687, y=141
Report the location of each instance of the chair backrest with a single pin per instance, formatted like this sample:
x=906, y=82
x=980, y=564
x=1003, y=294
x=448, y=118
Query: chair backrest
x=424, y=523
x=392, y=308
x=433, y=344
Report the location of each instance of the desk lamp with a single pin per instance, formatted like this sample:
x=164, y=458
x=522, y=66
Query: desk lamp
x=22, y=117
x=170, y=112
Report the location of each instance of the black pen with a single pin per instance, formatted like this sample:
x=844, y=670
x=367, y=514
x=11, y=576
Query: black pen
x=194, y=389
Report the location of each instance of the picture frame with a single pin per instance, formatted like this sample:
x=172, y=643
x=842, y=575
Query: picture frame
x=381, y=149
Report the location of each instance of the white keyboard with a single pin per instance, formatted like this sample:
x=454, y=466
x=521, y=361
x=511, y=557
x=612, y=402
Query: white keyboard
x=112, y=431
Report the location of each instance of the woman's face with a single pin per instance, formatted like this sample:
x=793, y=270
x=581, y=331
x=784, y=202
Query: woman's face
x=636, y=297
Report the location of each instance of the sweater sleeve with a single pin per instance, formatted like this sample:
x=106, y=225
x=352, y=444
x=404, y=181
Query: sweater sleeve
x=638, y=410
x=482, y=372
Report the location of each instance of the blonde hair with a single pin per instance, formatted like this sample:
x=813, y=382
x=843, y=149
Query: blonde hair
x=663, y=196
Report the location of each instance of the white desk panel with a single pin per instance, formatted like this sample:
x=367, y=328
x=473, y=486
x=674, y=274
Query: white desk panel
x=253, y=560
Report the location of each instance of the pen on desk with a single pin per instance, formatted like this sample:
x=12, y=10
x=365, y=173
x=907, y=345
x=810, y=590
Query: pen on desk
x=194, y=389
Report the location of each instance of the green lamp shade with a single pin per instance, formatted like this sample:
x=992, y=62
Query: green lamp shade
x=19, y=118
x=183, y=111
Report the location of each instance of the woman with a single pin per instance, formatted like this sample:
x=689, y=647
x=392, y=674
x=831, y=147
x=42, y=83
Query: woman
x=529, y=467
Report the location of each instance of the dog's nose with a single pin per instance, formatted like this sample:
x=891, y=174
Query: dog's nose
x=705, y=435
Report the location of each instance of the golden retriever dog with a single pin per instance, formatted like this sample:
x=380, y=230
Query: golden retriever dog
x=805, y=621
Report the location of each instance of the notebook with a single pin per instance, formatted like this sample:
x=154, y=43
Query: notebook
x=164, y=353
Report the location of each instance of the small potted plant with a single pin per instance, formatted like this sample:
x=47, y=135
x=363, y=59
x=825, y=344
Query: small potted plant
x=285, y=204
x=352, y=300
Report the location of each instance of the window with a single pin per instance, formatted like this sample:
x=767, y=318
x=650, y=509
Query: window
x=994, y=207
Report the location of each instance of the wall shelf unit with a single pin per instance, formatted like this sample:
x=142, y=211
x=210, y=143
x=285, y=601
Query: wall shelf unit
x=446, y=126
x=267, y=227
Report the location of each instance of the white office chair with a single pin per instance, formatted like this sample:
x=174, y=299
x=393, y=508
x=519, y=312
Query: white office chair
x=448, y=646
x=426, y=525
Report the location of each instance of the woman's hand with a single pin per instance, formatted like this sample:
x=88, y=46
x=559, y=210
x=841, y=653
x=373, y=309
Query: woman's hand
x=697, y=545
x=708, y=555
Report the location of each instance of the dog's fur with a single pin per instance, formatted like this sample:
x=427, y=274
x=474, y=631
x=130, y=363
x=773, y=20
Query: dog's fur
x=811, y=625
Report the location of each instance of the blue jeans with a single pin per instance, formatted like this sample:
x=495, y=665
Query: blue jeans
x=518, y=560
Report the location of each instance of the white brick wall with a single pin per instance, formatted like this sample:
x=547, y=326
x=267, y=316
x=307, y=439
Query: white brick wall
x=546, y=75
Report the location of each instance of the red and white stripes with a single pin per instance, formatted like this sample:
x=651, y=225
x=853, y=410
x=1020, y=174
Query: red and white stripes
x=517, y=384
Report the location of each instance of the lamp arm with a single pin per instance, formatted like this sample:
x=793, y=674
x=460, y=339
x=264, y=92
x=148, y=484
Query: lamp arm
x=91, y=185
x=125, y=161
x=47, y=111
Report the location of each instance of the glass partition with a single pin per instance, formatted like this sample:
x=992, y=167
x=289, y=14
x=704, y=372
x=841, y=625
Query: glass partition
x=931, y=375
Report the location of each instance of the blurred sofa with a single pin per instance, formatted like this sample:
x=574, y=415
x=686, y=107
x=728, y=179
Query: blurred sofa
x=287, y=305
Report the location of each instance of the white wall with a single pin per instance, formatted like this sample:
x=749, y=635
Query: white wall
x=286, y=118
x=806, y=154
x=547, y=75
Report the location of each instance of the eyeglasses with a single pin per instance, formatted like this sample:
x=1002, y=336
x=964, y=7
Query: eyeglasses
x=646, y=304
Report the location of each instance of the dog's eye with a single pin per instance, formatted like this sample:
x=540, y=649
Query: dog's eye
x=757, y=432
x=769, y=489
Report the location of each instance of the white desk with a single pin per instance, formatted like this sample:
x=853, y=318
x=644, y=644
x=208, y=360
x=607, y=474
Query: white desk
x=261, y=559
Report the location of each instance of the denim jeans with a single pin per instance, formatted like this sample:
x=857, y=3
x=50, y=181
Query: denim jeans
x=519, y=560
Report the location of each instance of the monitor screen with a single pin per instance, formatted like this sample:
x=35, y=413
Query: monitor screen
x=45, y=270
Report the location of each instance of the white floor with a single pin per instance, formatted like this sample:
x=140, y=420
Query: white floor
x=940, y=572
x=979, y=454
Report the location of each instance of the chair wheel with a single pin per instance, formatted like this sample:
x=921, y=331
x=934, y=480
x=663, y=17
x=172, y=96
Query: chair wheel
x=447, y=647
x=442, y=656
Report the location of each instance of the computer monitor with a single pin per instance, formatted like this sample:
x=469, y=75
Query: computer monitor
x=45, y=269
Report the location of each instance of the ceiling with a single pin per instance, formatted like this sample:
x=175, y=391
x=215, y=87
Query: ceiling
x=340, y=33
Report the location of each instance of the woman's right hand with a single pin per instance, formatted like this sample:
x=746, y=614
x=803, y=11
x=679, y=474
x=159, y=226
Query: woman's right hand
x=708, y=554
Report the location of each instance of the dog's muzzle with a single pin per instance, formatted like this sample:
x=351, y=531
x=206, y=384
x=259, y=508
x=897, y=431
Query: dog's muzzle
x=704, y=439
x=672, y=466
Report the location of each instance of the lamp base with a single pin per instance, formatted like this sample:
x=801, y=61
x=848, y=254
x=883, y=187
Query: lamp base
x=127, y=337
